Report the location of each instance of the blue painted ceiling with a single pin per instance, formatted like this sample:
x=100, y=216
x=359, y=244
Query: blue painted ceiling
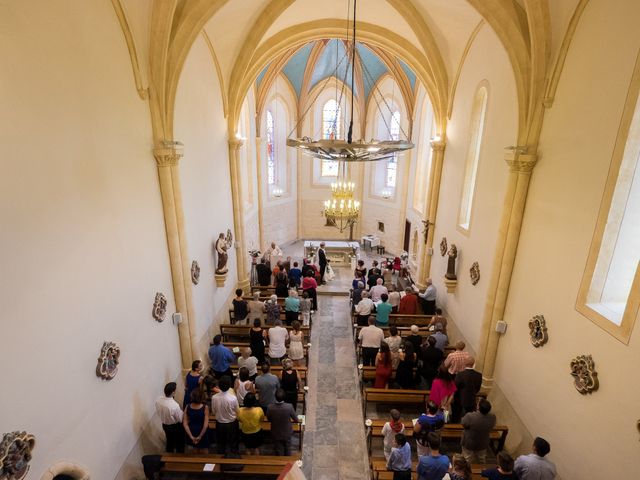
x=334, y=61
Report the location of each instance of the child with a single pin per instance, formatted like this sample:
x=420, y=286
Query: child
x=400, y=460
x=389, y=431
x=305, y=309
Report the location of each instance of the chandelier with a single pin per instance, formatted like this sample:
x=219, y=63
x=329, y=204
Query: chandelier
x=342, y=211
x=348, y=150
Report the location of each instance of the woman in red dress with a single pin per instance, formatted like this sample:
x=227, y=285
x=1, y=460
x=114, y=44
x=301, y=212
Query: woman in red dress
x=383, y=366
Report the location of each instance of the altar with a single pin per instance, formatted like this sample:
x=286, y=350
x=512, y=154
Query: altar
x=337, y=251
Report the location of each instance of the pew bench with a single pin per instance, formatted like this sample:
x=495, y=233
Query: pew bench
x=379, y=470
x=254, y=466
x=232, y=331
x=394, y=396
x=241, y=345
x=298, y=429
x=450, y=431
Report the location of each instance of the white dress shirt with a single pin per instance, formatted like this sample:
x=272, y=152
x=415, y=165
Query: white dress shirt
x=224, y=406
x=429, y=294
x=168, y=410
x=371, y=336
x=377, y=291
x=364, y=307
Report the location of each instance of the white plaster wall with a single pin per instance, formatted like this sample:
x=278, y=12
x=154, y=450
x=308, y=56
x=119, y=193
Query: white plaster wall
x=205, y=183
x=83, y=248
x=566, y=188
x=488, y=61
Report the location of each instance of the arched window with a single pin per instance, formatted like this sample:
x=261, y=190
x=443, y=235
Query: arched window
x=331, y=127
x=271, y=150
x=610, y=290
x=392, y=163
x=476, y=128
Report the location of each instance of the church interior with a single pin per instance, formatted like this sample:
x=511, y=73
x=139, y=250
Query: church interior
x=156, y=149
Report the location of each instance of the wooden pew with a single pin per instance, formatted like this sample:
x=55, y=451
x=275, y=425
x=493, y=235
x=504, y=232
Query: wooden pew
x=399, y=320
x=241, y=345
x=298, y=429
x=368, y=374
x=451, y=431
x=380, y=472
x=229, y=331
x=394, y=396
x=277, y=371
x=255, y=466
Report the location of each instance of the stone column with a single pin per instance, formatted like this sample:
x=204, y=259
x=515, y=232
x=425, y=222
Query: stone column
x=520, y=168
x=437, y=158
x=260, y=144
x=238, y=215
x=167, y=156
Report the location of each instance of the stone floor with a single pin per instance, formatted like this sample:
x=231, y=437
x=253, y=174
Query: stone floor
x=334, y=442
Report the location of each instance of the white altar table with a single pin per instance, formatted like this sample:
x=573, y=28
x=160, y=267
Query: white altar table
x=337, y=251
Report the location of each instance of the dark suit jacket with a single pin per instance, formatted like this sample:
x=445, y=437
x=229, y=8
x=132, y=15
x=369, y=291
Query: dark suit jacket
x=468, y=383
x=264, y=274
x=280, y=416
x=322, y=257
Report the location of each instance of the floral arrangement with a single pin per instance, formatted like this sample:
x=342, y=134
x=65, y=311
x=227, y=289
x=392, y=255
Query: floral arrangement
x=254, y=253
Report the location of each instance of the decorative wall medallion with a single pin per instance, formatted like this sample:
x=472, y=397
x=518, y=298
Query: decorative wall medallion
x=474, y=272
x=443, y=246
x=160, y=306
x=15, y=455
x=195, y=272
x=585, y=378
x=108, y=361
x=538, y=331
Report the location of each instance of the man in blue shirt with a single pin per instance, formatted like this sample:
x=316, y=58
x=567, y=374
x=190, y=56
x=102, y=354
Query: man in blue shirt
x=221, y=358
x=433, y=466
x=400, y=459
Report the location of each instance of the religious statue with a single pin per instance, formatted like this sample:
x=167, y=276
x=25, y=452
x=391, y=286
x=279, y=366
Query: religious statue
x=15, y=455
x=451, y=263
x=222, y=245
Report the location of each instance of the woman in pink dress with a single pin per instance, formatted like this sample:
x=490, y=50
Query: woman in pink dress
x=442, y=389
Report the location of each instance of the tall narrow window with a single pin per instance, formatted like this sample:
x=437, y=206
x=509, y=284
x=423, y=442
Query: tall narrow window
x=610, y=290
x=476, y=128
x=331, y=127
x=271, y=153
x=392, y=163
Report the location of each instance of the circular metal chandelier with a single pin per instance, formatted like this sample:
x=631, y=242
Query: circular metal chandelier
x=344, y=150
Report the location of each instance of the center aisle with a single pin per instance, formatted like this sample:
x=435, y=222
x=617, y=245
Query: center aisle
x=334, y=441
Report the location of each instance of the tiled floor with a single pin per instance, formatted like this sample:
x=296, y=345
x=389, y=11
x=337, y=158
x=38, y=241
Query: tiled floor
x=334, y=443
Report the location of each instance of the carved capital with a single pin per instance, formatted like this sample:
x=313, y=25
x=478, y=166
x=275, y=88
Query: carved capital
x=168, y=154
x=438, y=145
x=236, y=143
x=520, y=162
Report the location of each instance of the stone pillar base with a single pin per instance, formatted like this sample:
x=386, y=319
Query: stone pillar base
x=220, y=279
x=450, y=284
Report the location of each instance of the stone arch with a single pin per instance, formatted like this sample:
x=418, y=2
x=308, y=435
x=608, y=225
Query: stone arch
x=73, y=470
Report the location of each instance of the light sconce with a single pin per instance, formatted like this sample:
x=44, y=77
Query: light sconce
x=386, y=194
x=277, y=192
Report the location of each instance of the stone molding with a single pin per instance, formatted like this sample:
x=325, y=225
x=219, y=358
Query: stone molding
x=168, y=154
x=520, y=162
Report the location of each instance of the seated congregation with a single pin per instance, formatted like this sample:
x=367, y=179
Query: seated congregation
x=447, y=428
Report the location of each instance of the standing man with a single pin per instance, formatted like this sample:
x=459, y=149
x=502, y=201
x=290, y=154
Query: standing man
x=264, y=273
x=468, y=383
x=266, y=385
x=370, y=338
x=457, y=361
x=281, y=415
x=170, y=414
x=477, y=429
x=224, y=405
x=429, y=298
x=534, y=466
x=322, y=261
x=221, y=358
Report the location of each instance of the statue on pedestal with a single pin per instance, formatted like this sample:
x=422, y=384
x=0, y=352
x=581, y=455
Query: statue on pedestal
x=451, y=263
x=222, y=245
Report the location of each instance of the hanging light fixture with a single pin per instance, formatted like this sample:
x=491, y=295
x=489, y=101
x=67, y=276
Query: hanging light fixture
x=342, y=210
x=348, y=150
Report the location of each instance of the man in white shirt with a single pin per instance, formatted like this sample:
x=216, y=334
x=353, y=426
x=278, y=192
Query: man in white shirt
x=273, y=254
x=429, y=298
x=224, y=406
x=364, y=309
x=170, y=415
x=370, y=339
x=377, y=290
x=277, y=338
